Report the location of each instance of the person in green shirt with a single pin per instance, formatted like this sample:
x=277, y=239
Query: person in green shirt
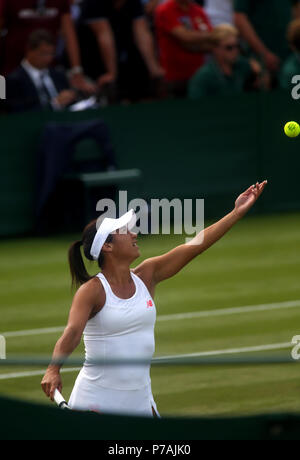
x=263, y=25
x=291, y=66
x=227, y=72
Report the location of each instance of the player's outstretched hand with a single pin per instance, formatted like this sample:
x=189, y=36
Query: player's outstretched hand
x=247, y=199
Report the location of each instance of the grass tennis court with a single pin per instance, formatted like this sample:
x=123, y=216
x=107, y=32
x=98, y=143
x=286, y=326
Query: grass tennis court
x=257, y=263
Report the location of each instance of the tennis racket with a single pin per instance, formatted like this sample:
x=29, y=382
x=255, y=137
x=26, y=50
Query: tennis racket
x=60, y=400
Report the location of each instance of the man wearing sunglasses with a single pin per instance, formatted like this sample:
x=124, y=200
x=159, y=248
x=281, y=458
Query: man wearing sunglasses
x=226, y=72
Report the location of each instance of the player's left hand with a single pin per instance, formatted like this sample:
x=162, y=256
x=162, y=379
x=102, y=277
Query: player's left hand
x=247, y=199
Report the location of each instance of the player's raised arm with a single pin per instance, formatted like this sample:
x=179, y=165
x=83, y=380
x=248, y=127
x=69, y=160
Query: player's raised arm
x=163, y=267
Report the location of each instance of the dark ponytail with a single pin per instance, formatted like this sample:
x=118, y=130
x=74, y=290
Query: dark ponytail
x=78, y=271
x=77, y=267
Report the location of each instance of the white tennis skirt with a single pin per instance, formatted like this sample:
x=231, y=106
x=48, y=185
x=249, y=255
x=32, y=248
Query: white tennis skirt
x=90, y=396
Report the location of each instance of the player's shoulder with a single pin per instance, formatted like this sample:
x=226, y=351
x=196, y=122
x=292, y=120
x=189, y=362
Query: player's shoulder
x=145, y=271
x=92, y=289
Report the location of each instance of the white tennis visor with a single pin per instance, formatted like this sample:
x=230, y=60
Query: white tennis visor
x=109, y=226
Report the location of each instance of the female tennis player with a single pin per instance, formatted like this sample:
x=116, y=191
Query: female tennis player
x=116, y=313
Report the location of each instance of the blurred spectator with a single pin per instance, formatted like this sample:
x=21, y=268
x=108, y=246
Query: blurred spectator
x=291, y=66
x=19, y=18
x=219, y=11
x=125, y=42
x=55, y=156
x=33, y=85
x=183, y=32
x=227, y=72
x=263, y=25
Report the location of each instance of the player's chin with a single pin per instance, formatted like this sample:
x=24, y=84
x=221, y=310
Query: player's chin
x=136, y=252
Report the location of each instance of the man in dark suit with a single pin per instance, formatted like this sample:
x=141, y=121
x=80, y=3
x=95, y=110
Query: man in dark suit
x=34, y=85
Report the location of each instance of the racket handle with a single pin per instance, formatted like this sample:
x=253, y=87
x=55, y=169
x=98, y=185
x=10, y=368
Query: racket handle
x=60, y=400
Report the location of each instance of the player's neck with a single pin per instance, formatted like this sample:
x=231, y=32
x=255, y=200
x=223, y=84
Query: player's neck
x=117, y=274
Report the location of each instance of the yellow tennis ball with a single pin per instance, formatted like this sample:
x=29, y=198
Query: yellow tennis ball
x=292, y=129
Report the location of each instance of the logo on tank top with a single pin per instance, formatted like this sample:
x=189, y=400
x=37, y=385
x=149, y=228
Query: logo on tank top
x=149, y=303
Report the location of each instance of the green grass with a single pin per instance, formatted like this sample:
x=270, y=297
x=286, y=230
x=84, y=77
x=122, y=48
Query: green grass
x=256, y=263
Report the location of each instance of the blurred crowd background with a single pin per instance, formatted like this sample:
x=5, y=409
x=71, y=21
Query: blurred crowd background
x=58, y=53
x=189, y=85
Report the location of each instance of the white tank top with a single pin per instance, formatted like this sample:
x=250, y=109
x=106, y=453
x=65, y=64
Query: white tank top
x=123, y=329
